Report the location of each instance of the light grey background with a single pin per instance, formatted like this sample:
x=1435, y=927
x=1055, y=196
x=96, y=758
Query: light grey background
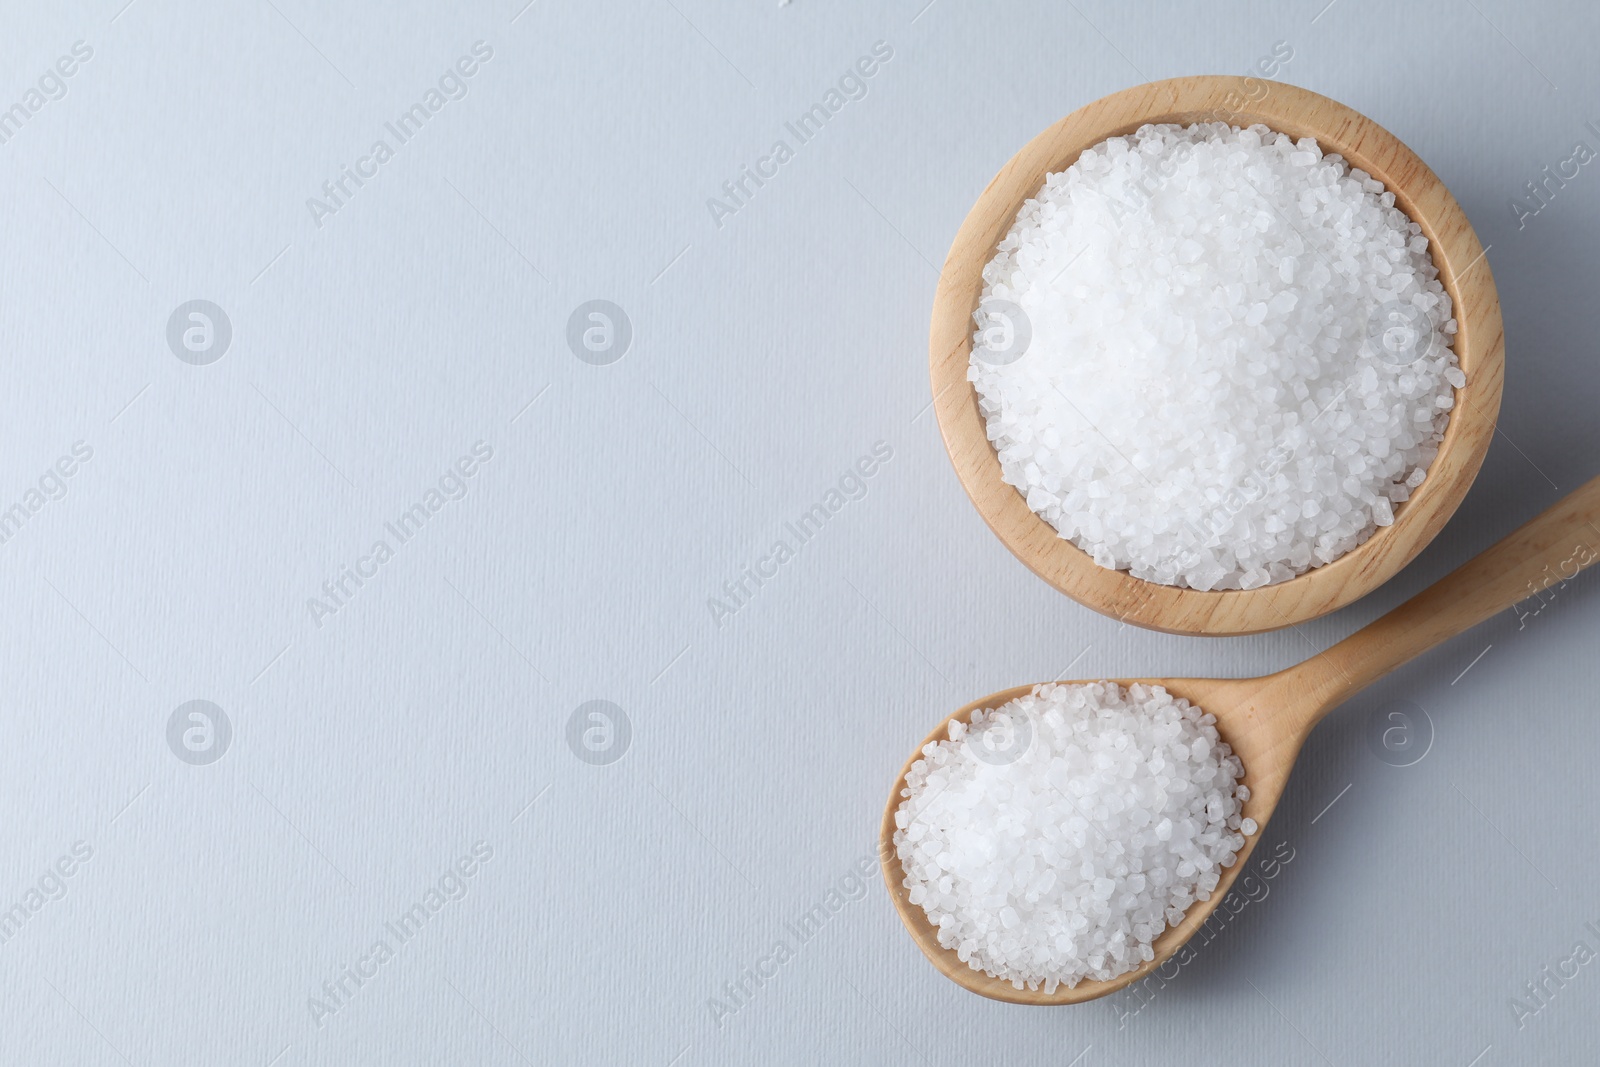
x=430, y=712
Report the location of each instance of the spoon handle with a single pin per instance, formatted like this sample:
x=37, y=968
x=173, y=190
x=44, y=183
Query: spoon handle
x=1523, y=573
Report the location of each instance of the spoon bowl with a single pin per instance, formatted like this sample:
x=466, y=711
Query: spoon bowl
x=1463, y=271
x=1267, y=745
x=1266, y=720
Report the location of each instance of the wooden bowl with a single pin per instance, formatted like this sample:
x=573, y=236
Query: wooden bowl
x=1463, y=270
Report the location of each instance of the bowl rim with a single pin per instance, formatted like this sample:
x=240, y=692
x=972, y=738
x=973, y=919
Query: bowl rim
x=1241, y=101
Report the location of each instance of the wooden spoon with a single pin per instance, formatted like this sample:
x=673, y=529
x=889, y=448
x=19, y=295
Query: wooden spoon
x=1266, y=720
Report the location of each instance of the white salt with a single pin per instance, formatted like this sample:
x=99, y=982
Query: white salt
x=1055, y=837
x=1232, y=359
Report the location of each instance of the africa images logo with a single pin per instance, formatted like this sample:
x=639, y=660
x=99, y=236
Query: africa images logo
x=452, y=85
x=852, y=486
x=853, y=84
x=338, y=591
x=51, y=86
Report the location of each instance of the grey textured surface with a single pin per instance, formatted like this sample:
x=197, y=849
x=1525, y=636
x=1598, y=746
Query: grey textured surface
x=375, y=745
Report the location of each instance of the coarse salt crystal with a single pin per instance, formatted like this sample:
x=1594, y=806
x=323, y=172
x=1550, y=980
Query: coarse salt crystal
x=1062, y=850
x=1224, y=328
